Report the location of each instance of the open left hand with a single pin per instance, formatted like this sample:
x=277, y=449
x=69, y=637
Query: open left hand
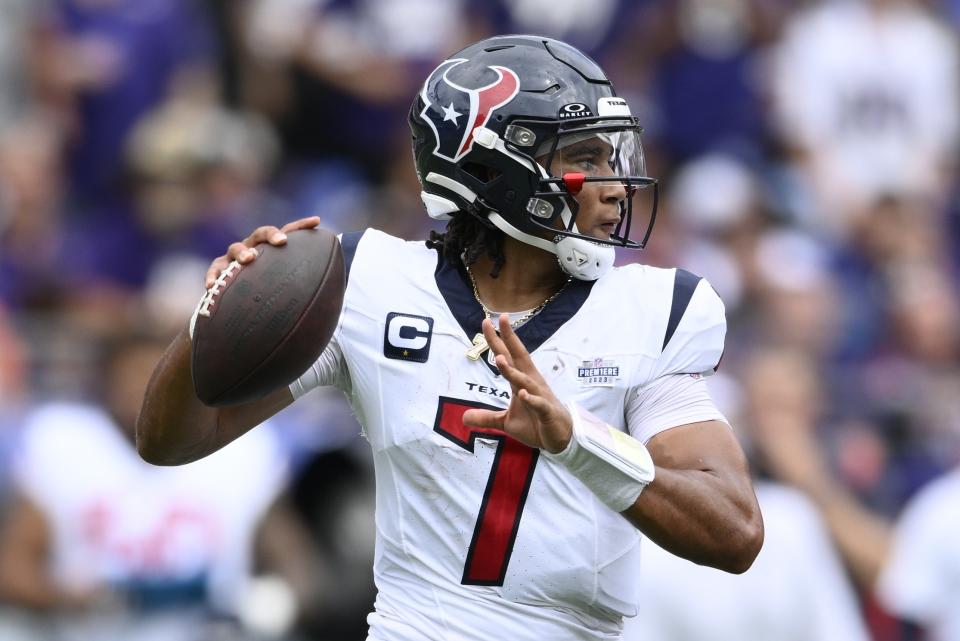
x=535, y=416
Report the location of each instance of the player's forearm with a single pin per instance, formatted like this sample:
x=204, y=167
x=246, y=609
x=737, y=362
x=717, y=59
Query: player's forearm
x=702, y=516
x=174, y=427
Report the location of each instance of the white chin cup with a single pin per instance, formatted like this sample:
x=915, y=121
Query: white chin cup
x=583, y=259
x=578, y=257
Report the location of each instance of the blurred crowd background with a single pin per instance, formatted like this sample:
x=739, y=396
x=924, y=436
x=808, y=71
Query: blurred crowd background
x=807, y=155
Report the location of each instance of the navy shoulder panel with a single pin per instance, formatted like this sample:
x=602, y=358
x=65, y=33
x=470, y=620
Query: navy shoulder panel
x=348, y=243
x=684, y=284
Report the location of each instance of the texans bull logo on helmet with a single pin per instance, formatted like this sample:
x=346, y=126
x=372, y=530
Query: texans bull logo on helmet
x=463, y=109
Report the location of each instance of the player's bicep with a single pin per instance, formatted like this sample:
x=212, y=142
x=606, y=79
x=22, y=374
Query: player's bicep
x=709, y=446
x=681, y=426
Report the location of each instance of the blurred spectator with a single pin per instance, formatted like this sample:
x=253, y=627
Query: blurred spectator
x=103, y=64
x=715, y=206
x=14, y=391
x=796, y=300
x=353, y=66
x=31, y=210
x=197, y=175
x=797, y=589
x=889, y=231
x=15, y=28
x=594, y=28
x=337, y=77
x=704, y=86
x=920, y=578
x=866, y=93
x=787, y=413
x=916, y=375
x=912, y=565
x=104, y=546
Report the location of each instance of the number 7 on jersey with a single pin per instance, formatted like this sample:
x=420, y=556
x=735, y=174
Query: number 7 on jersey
x=502, y=506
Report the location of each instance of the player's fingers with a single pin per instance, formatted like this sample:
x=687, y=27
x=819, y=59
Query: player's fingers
x=543, y=408
x=221, y=263
x=512, y=342
x=514, y=346
x=265, y=234
x=517, y=378
x=485, y=418
x=241, y=252
x=217, y=266
x=310, y=222
x=493, y=339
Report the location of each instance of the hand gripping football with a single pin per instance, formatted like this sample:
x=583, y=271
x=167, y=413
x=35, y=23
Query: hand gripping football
x=260, y=326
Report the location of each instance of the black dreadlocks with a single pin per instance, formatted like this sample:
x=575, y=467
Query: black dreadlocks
x=468, y=237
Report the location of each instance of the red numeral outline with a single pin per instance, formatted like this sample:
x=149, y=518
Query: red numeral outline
x=503, y=499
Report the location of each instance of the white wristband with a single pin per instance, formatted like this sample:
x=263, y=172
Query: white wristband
x=613, y=465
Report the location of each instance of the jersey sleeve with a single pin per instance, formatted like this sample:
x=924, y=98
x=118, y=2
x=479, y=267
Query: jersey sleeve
x=670, y=401
x=329, y=369
x=697, y=326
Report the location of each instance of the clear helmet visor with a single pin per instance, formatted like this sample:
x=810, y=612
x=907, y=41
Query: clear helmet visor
x=599, y=152
x=598, y=163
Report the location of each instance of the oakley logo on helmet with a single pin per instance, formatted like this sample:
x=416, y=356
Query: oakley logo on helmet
x=575, y=110
x=464, y=109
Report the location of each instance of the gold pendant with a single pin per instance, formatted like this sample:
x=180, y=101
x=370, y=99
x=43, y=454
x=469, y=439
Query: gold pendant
x=479, y=347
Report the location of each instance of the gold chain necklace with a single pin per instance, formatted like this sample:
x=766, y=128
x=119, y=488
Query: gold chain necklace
x=479, y=341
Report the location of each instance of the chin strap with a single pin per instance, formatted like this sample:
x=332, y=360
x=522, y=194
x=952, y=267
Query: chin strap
x=578, y=257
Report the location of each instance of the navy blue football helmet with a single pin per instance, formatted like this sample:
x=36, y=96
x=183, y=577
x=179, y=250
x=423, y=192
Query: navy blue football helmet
x=491, y=120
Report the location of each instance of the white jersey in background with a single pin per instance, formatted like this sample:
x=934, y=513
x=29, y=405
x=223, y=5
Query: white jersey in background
x=796, y=590
x=921, y=580
x=163, y=536
x=478, y=536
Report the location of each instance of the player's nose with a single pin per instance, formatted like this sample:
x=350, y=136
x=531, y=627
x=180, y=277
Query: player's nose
x=613, y=192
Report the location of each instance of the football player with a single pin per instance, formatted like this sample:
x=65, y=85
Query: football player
x=531, y=409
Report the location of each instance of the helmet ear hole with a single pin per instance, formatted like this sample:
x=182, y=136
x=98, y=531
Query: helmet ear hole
x=482, y=173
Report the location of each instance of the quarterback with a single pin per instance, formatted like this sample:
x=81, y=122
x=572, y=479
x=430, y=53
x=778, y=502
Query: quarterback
x=533, y=411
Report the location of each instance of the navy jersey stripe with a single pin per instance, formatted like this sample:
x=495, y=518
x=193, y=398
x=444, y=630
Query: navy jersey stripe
x=348, y=243
x=684, y=284
x=454, y=285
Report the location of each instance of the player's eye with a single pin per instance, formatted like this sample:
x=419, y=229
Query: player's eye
x=587, y=156
x=586, y=162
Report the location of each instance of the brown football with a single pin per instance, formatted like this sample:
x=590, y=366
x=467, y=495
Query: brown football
x=260, y=326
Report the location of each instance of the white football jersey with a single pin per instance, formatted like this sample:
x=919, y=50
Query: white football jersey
x=921, y=579
x=177, y=533
x=478, y=536
x=796, y=590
